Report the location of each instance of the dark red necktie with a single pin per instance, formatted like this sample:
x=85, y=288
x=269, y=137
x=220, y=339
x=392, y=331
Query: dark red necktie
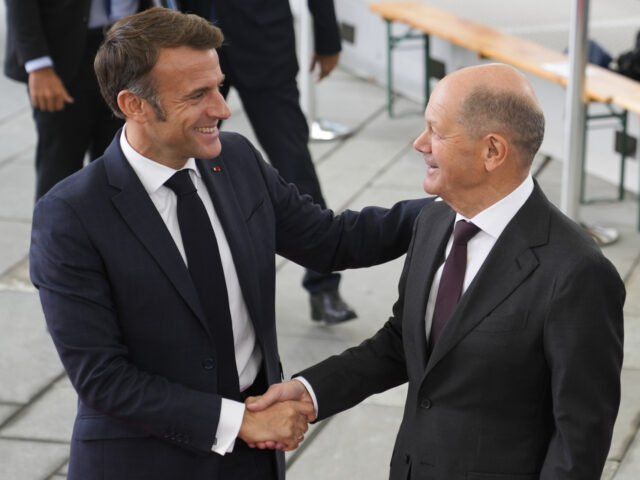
x=205, y=267
x=452, y=278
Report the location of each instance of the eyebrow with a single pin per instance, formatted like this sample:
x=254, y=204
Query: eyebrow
x=204, y=89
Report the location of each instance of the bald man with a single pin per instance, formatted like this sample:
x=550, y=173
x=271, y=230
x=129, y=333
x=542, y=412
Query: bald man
x=517, y=376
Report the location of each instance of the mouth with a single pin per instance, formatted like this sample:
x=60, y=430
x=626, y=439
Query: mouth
x=207, y=130
x=431, y=165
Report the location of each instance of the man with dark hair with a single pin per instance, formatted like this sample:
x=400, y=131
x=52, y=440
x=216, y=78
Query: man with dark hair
x=156, y=269
x=259, y=61
x=508, y=326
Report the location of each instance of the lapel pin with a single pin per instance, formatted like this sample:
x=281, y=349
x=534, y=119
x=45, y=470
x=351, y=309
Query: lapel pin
x=216, y=169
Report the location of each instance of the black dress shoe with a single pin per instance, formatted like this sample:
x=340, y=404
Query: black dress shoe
x=328, y=306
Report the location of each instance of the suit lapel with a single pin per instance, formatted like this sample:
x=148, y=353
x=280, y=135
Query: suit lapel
x=427, y=256
x=218, y=181
x=509, y=263
x=136, y=208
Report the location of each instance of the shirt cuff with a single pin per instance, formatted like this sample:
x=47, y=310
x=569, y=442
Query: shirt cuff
x=231, y=415
x=309, y=388
x=38, y=64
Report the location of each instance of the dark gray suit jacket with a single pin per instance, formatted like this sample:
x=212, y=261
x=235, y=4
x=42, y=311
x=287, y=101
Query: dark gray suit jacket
x=54, y=28
x=524, y=382
x=125, y=316
x=260, y=39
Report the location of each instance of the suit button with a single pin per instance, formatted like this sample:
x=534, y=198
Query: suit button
x=425, y=403
x=208, y=363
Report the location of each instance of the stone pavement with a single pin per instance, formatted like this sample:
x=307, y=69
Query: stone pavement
x=376, y=165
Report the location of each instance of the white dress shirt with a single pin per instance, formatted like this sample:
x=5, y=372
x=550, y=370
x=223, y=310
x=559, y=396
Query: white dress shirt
x=491, y=221
x=247, y=351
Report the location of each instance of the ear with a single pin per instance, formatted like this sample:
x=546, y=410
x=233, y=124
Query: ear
x=495, y=151
x=133, y=106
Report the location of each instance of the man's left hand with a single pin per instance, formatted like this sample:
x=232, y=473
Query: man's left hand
x=326, y=62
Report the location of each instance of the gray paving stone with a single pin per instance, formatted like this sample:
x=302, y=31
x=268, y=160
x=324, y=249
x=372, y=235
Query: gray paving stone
x=27, y=354
x=632, y=340
x=617, y=215
x=364, y=157
x=396, y=397
x=17, y=278
x=23, y=460
x=49, y=418
x=347, y=99
x=632, y=304
x=14, y=242
x=628, y=416
x=351, y=446
x=299, y=352
x=624, y=252
x=610, y=468
x=371, y=292
x=18, y=132
x=6, y=411
x=17, y=187
x=629, y=468
x=407, y=173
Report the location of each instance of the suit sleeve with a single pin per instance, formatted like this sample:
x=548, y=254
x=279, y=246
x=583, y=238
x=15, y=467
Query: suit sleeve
x=81, y=314
x=377, y=364
x=25, y=21
x=319, y=240
x=325, y=27
x=583, y=344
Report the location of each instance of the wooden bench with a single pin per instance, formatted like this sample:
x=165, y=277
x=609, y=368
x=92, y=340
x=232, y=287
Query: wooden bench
x=423, y=20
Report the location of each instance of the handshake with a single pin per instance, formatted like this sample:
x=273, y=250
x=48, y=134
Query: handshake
x=279, y=418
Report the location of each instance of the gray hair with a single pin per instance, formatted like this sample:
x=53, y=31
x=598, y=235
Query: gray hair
x=510, y=113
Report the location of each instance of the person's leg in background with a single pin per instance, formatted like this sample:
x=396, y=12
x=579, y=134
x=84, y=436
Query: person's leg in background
x=86, y=125
x=281, y=129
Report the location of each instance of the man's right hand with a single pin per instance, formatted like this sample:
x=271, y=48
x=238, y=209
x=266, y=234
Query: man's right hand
x=47, y=90
x=281, y=425
x=281, y=392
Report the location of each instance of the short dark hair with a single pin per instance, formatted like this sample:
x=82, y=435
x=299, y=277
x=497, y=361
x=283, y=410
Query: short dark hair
x=132, y=46
x=505, y=111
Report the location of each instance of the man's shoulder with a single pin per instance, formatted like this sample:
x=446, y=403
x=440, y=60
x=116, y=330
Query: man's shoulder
x=237, y=151
x=234, y=140
x=83, y=186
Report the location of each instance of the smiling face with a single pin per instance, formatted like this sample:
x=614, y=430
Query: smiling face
x=187, y=85
x=455, y=169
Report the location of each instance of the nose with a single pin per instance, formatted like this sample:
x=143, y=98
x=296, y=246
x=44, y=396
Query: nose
x=218, y=107
x=423, y=142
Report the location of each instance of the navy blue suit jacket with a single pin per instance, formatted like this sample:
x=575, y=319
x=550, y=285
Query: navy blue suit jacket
x=124, y=314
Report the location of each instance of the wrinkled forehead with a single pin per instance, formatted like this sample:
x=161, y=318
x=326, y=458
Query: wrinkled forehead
x=445, y=99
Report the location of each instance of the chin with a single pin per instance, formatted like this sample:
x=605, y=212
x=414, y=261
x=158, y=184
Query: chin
x=211, y=152
x=429, y=187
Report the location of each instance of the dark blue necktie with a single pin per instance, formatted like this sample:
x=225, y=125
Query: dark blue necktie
x=205, y=267
x=450, y=287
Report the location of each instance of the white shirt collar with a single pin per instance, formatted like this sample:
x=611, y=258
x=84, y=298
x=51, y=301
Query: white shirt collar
x=151, y=173
x=494, y=219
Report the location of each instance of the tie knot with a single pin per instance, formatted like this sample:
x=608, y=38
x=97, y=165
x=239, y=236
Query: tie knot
x=181, y=183
x=463, y=232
